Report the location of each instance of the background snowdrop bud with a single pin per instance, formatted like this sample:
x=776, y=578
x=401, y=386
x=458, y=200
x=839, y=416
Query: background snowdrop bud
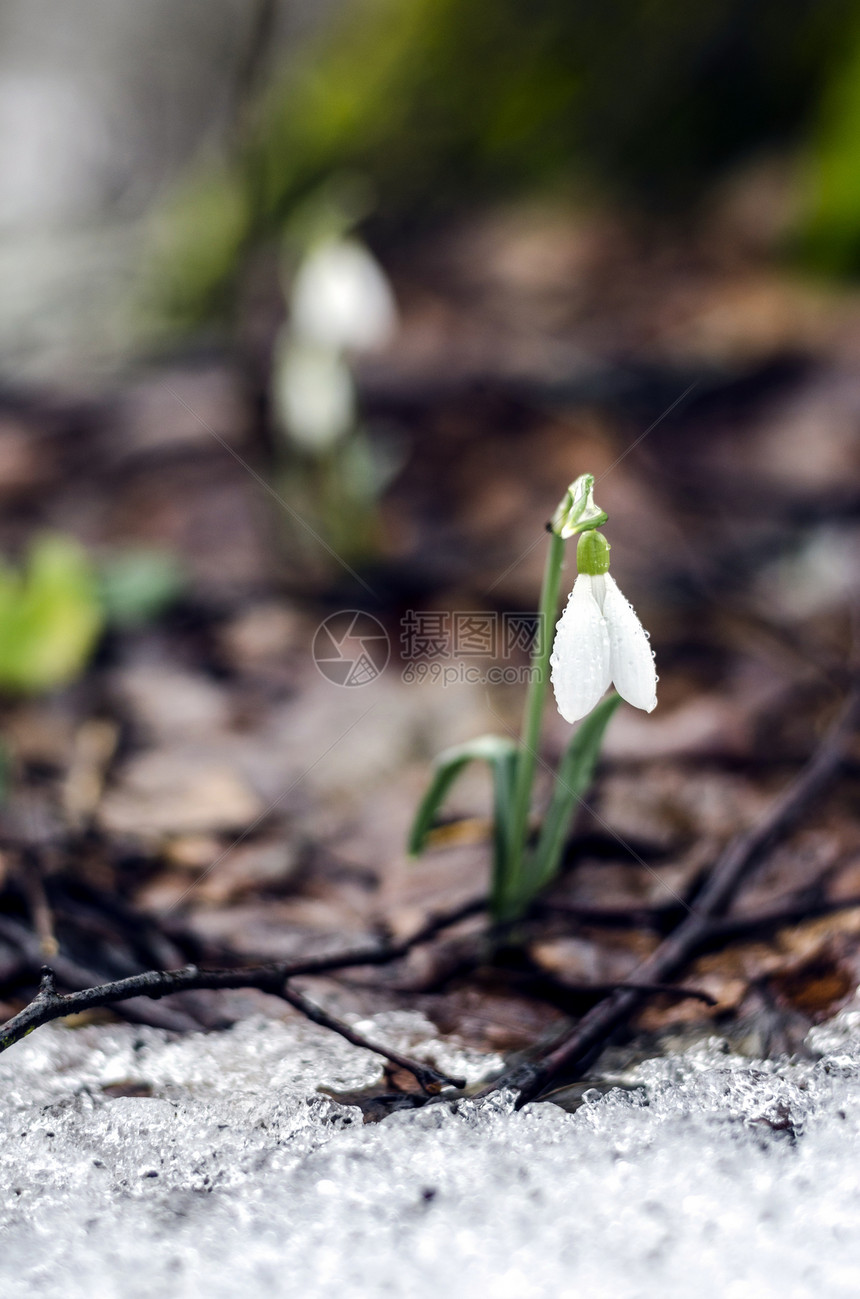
x=599, y=640
x=313, y=394
x=341, y=298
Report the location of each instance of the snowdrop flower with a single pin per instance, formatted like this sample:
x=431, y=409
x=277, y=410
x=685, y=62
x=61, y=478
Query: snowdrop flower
x=599, y=640
x=341, y=298
x=313, y=394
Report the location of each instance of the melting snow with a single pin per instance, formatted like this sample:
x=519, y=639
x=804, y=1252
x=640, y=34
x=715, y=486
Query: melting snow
x=714, y=1176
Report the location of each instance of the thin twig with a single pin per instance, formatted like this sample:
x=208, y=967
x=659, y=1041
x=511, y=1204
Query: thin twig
x=76, y=976
x=719, y=931
x=680, y=992
x=637, y=917
x=564, y=988
x=430, y=1079
x=48, y=1004
x=271, y=978
x=596, y=1026
x=387, y=954
x=758, y=922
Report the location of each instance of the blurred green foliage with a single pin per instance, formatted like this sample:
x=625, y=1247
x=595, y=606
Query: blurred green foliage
x=444, y=102
x=50, y=616
x=54, y=609
x=829, y=236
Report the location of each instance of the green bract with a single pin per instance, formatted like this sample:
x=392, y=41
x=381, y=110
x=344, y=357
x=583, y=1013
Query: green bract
x=577, y=511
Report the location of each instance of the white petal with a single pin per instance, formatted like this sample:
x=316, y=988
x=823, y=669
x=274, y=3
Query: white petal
x=631, y=657
x=342, y=299
x=580, y=654
x=313, y=394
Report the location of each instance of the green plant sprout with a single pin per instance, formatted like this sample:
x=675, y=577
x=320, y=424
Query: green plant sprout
x=50, y=616
x=599, y=641
x=54, y=608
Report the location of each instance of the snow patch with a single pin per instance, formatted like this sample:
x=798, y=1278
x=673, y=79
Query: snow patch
x=228, y=1174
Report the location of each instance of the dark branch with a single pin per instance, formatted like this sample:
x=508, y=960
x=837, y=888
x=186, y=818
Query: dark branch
x=273, y=978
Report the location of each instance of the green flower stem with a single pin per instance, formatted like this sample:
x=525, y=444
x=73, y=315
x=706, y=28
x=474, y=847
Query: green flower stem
x=530, y=738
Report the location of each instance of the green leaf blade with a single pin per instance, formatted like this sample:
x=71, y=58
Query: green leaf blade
x=496, y=750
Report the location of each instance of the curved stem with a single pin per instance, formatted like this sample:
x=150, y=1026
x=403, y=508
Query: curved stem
x=530, y=738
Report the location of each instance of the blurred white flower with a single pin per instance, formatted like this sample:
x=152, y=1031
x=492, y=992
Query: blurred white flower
x=313, y=394
x=341, y=298
x=600, y=641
